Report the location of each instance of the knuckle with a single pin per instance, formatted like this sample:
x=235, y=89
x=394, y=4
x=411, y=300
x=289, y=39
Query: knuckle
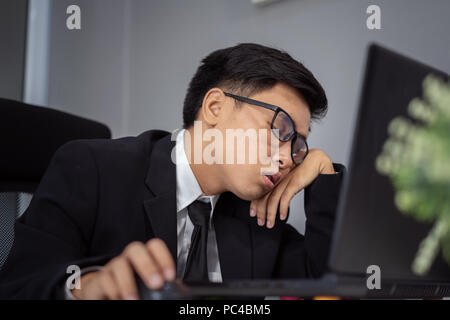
x=155, y=243
x=131, y=247
x=104, y=271
x=120, y=267
x=148, y=266
x=261, y=213
x=126, y=281
x=272, y=203
x=273, y=198
x=112, y=264
x=285, y=199
x=260, y=208
x=161, y=255
x=273, y=210
x=279, y=192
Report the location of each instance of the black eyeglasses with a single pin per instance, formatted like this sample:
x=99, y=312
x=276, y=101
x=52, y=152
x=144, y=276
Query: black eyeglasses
x=285, y=128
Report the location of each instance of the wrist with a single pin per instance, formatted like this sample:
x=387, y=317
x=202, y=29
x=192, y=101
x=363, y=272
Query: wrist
x=325, y=165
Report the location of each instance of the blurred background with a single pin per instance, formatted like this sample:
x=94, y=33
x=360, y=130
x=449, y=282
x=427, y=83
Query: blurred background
x=130, y=64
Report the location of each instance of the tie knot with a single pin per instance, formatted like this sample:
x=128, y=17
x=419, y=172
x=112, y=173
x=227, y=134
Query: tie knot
x=199, y=212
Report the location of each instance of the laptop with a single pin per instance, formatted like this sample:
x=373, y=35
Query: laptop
x=369, y=229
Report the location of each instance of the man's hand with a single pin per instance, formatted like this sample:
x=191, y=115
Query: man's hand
x=265, y=209
x=152, y=262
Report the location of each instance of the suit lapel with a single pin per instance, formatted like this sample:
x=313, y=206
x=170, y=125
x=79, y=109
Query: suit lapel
x=161, y=180
x=233, y=239
x=233, y=232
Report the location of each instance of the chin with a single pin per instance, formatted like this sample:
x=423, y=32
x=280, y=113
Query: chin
x=249, y=193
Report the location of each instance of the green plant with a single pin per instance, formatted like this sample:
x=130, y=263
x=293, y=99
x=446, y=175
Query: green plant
x=416, y=158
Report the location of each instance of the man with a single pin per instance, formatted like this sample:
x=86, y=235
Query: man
x=144, y=206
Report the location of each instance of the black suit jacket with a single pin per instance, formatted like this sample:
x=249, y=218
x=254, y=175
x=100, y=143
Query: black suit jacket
x=97, y=196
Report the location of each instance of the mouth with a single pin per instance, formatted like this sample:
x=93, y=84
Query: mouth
x=270, y=180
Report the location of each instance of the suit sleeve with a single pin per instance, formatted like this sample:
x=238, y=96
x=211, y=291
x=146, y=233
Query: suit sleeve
x=55, y=230
x=307, y=256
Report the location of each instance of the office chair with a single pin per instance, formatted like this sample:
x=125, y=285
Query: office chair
x=29, y=136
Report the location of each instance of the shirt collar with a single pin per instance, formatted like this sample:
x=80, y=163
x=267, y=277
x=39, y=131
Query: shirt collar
x=188, y=189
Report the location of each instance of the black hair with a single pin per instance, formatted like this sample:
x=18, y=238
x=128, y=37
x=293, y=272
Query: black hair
x=249, y=68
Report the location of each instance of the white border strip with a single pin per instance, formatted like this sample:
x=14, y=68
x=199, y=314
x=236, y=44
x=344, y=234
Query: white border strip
x=37, y=53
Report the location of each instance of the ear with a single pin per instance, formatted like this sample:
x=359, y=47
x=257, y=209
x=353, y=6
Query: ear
x=213, y=102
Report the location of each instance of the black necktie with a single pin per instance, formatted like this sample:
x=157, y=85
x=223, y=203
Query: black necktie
x=196, y=265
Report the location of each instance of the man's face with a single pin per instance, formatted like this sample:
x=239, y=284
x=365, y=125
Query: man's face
x=246, y=180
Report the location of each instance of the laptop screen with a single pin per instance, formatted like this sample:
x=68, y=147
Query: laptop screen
x=370, y=230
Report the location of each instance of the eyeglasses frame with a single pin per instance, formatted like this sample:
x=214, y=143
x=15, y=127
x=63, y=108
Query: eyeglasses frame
x=276, y=110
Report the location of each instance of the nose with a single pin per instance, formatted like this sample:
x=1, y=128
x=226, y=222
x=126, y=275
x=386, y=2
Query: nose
x=284, y=156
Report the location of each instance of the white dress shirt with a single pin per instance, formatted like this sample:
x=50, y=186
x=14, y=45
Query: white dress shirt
x=188, y=190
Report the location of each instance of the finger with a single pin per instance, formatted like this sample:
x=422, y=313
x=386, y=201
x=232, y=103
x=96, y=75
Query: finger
x=163, y=258
x=261, y=208
x=272, y=204
x=253, y=205
x=89, y=290
x=285, y=200
x=144, y=264
x=123, y=275
x=108, y=286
